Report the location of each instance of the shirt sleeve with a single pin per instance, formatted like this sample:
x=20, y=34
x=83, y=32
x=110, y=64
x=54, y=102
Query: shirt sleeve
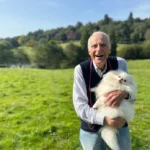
x=80, y=100
x=122, y=65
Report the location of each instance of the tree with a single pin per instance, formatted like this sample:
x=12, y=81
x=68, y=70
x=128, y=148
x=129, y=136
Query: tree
x=61, y=37
x=113, y=42
x=70, y=28
x=13, y=41
x=140, y=28
x=78, y=25
x=84, y=43
x=22, y=40
x=49, y=55
x=38, y=34
x=31, y=43
x=20, y=56
x=72, y=52
x=135, y=37
x=107, y=19
x=147, y=34
x=130, y=18
x=123, y=32
x=5, y=52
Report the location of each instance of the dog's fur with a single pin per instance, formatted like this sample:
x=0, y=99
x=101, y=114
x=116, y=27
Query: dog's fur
x=114, y=80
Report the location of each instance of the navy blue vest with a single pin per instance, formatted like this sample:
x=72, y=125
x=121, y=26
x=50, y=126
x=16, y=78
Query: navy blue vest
x=91, y=77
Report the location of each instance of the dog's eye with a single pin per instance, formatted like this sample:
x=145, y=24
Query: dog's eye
x=125, y=80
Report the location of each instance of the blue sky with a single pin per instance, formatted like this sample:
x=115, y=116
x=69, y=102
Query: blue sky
x=19, y=17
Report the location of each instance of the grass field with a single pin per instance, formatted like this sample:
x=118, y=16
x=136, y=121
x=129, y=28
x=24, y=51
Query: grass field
x=37, y=113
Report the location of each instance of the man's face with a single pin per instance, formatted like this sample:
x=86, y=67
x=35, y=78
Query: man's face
x=99, y=50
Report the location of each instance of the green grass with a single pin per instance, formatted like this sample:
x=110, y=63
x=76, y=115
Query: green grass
x=36, y=109
x=37, y=113
x=140, y=127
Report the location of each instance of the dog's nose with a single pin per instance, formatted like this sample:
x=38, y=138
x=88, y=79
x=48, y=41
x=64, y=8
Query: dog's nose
x=121, y=80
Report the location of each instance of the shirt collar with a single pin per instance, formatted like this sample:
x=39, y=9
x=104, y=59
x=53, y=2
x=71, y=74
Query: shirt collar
x=99, y=72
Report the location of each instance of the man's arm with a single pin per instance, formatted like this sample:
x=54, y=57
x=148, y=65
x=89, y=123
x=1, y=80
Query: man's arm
x=80, y=100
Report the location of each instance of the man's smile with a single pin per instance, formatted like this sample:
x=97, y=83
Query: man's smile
x=99, y=55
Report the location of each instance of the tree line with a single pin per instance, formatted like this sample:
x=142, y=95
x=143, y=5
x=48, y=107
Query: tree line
x=42, y=48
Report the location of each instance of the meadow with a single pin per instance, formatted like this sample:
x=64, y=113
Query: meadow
x=37, y=112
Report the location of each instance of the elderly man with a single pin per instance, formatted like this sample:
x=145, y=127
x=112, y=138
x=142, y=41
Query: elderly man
x=87, y=75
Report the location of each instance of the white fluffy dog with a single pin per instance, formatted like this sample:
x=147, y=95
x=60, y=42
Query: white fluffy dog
x=114, y=80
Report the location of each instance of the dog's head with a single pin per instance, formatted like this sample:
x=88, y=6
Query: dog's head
x=119, y=76
x=125, y=78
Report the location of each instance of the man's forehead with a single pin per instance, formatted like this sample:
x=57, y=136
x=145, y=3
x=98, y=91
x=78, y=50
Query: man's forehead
x=98, y=38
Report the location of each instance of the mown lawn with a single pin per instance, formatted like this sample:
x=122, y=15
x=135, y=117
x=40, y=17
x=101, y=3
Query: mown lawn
x=37, y=113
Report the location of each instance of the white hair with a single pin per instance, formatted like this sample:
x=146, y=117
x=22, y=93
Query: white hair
x=102, y=33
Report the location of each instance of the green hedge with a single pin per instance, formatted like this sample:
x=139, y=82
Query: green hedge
x=135, y=51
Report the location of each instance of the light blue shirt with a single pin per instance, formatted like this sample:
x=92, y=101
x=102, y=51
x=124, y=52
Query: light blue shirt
x=80, y=99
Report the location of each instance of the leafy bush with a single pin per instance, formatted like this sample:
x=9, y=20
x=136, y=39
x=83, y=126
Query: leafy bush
x=132, y=51
x=48, y=55
x=73, y=53
x=146, y=50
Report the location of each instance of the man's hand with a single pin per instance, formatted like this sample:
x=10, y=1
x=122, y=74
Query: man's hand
x=116, y=122
x=114, y=98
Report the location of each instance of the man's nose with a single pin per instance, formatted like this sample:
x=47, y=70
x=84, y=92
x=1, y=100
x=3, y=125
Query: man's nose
x=99, y=47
